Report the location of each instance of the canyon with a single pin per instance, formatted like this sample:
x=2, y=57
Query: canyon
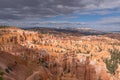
x=52, y=54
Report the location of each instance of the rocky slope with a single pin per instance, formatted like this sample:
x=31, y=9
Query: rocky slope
x=37, y=55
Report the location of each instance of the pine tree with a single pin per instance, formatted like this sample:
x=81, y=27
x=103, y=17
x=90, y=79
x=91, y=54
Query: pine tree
x=1, y=74
x=113, y=62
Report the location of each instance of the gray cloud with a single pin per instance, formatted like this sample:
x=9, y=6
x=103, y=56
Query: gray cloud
x=31, y=9
x=106, y=24
x=108, y=21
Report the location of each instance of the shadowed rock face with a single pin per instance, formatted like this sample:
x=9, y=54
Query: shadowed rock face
x=28, y=55
x=16, y=68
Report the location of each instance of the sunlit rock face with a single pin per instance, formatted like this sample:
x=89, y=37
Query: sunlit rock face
x=33, y=55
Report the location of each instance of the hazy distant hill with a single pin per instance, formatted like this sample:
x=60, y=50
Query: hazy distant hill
x=73, y=31
x=76, y=31
x=113, y=35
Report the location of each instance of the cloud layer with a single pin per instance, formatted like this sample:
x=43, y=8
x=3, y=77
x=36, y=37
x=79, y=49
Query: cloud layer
x=32, y=12
x=25, y=9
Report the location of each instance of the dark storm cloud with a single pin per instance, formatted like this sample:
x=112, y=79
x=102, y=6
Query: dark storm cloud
x=41, y=8
x=23, y=9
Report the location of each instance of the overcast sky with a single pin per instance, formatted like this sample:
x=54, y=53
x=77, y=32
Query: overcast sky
x=96, y=14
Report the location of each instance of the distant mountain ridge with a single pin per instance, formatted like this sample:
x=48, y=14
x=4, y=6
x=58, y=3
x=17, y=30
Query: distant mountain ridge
x=84, y=31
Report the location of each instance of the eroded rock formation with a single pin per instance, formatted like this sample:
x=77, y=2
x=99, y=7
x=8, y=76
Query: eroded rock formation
x=29, y=55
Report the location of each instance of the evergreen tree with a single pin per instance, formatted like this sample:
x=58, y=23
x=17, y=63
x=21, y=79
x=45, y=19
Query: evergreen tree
x=1, y=74
x=113, y=62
